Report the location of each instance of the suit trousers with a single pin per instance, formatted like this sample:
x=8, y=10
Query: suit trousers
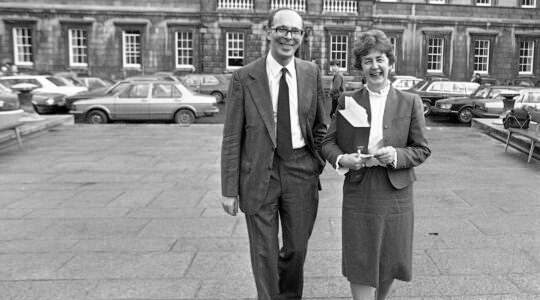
x=293, y=200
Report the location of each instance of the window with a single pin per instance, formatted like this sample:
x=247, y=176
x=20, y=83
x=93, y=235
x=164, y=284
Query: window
x=340, y=6
x=528, y=3
x=338, y=50
x=162, y=91
x=184, y=49
x=298, y=5
x=483, y=2
x=481, y=56
x=393, y=41
x=131, y=48
x=435, y=54
x=235, y=50
x=136, y=91
x=235, y=4
x=526, y=57
x=436, y=1
x=22, y=46
x=78, y=48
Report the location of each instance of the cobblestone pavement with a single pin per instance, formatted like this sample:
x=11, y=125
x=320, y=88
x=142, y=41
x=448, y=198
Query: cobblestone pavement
x=131, y=211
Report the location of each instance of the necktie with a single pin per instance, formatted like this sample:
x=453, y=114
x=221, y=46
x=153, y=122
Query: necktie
x=283, y=127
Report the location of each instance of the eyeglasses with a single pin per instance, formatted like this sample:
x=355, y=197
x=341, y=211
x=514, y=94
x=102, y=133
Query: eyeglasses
x=283, y=31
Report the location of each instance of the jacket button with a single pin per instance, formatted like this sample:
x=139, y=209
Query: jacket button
x=385, y=127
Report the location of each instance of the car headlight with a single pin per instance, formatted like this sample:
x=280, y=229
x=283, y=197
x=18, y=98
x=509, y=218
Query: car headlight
x=49, y=101
x=446, y=105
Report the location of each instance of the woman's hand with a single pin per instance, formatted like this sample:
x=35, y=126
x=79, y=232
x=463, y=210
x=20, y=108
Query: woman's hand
x=353, y=161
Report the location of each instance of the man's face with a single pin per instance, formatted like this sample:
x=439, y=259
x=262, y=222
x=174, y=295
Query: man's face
x=283, y=44
x=334, y=68
x=375, y=67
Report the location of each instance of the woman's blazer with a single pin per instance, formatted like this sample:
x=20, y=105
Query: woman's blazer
x=403, y=129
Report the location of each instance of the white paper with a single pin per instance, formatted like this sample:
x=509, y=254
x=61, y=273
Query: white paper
x=354, y=113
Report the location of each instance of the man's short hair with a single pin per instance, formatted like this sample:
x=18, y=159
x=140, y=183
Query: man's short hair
x=334, y=62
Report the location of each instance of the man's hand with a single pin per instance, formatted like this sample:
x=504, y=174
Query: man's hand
x=386, y=155
x=230, y=205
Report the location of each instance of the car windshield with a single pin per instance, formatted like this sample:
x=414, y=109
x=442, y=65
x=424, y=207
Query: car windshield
x=481, y=92
x=418, y=86
x=59, y=81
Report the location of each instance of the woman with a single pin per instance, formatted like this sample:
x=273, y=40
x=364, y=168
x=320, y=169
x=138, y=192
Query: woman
x=377, y=191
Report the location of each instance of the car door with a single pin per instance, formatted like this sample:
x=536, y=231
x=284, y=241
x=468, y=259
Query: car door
x=436, y=90
x=163, y=101
x=132, y=102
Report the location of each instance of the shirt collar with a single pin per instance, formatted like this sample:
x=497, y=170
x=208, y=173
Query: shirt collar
x=275, y=68
x=384, y=91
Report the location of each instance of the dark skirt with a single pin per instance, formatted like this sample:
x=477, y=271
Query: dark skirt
x=377, y=229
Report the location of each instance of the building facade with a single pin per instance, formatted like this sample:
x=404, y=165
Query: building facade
x=120, y=38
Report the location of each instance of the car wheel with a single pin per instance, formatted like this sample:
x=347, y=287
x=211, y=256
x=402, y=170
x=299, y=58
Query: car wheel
x=219, y=96
x=96, y=117
x=427, y=107
x=465, y=115
x=184, y=116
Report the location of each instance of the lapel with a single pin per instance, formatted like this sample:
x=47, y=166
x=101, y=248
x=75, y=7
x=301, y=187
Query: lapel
x=391, y=107
x=362, y=98
x=260, y=94
x=304, y=80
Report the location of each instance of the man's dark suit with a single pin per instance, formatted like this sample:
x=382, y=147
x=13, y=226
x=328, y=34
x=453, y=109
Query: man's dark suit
x=251, y=170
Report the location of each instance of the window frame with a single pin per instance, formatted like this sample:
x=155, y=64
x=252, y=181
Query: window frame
x=532, y=57
x=333, y=54
x=70, y=47
x=477, y=37
x=226, y=48
x=125, y=63
x=447, y=45
x=15, y=45
x=478, y=59
x=479, y=2
x=533, y=5
x=176, y=49
x=440, y=54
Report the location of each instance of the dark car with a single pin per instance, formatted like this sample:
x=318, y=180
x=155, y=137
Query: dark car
x=216, y=85
x=461, y=107
x=493, y=108
x=42, y=102
x=521, y=81
x=433, y=90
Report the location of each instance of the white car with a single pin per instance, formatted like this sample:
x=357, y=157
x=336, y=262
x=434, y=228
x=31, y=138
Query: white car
x=45, y=84
x=404, y=82
x=529, y=98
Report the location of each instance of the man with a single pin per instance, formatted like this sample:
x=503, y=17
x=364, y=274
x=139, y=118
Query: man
x=270, y=160
x=338, y=85
x=477, y=78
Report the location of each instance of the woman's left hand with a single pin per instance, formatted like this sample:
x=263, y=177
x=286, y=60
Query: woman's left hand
x=386, y=155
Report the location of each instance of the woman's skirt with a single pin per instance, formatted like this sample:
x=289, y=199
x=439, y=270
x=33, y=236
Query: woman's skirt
x=377, y=229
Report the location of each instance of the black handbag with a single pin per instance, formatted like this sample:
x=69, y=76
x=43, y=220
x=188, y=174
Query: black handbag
x=517, y=118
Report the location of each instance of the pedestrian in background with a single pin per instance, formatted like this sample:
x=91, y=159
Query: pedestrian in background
x=477, y=78
x=337, y=87
x=377, y=215
x=270, y=160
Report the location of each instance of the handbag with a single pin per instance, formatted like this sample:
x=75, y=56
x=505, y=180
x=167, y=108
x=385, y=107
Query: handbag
x=517, y=118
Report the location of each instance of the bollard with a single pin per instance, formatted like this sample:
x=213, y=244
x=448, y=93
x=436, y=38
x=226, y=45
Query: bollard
x=25, y=101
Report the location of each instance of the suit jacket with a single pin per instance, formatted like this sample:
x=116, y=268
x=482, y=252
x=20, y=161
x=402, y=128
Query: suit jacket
x=403, y=129
x=249, y=134
x=338, y=86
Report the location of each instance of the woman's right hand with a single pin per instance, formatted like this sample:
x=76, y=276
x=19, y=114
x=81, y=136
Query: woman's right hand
x=353, y=161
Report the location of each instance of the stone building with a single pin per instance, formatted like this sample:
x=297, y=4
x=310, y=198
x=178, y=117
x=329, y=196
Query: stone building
x=119, y=38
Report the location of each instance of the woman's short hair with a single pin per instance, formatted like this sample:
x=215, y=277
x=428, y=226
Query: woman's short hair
x=373, y=39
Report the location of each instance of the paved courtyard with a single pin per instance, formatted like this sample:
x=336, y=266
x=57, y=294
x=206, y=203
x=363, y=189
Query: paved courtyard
x=131, y=211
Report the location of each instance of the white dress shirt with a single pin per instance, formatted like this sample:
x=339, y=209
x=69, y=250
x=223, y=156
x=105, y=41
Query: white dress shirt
x=273, y=71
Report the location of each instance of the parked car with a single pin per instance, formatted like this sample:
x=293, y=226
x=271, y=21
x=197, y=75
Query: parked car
x=488, y=80
x=93, y=83
x=529, y=98
x=216, y=85
x=433, y=90
x=42, y=103
x=146, y=100
x=493, y=108
x=521, y=81
x=156, y=76
x=461, y=107
x=404, y=82
x=45, y=84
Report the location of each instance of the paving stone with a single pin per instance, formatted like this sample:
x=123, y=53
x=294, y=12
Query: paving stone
x=189, y=227
x=77, y=213
x=444, y=226
x=509, y=224
x=95, y=177
x=125, y=245
x=212, y=265
x=14, y=213
x=187, y=212
x=31, y=266
x=42, y=199
x=323, y=264
x=228, y=288
x=92, y=228
x=106, y=265
x=146, y=289
x=22, y=229
x=47, y=290
x=326, y=287
x=7, y=197
x=481, y=261
x=36, y=246
x=529, y=283
x=209, y=244
x=177, y=198
x=135, y=198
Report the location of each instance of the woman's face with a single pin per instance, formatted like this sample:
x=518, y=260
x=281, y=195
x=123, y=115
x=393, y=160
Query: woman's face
x=375, y=67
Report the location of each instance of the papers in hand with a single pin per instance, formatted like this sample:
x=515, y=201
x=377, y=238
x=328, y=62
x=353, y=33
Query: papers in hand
x=354, y=113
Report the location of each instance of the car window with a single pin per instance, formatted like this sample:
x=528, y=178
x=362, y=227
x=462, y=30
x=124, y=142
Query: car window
x=118, y=88
x=192, y=80
x=162, y=91
x=436, y=87
x=136, y=91
x=176, y=92
x=534, y=97
x=58, y=81
x=210, y=80
x=458, y=88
